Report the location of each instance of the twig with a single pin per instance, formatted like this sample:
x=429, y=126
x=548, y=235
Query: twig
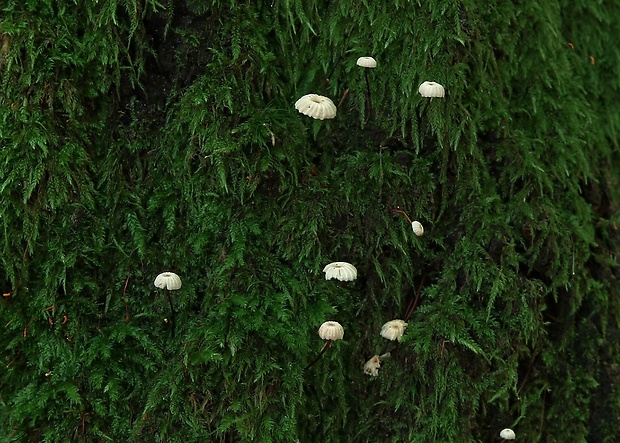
x=345, y=94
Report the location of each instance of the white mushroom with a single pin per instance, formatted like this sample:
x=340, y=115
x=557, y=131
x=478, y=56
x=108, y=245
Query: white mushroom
x=168, y=280
x=316, y=106
x=372, y=366
x=367, y=62
x=331, y=330
x=340, y=270
x=431, y=89
x=393, y=330
x=507, y=434
x=418, y=229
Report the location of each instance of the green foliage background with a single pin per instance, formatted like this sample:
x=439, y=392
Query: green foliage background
x=139, y=136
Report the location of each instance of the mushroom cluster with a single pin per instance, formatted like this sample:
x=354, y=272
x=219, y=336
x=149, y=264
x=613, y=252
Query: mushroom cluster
x=320, y=107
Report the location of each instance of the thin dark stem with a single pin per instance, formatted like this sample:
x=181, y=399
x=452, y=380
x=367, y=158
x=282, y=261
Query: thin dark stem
x=368, y=94
x=172, y=314
x=333, y=69
x=325, y=348
x=404, y=213
x=394, y=345
x=125, y=299
x=412, y=305
x=331, y=72
x=542, y=414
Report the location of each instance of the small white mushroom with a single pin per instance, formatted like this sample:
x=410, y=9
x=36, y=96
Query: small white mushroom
x=331, y=330
x=168, y=280
x=393, y=330
x=431, y=89
x=418, y=229
x=340, y=270
x=371, y=367
x=316, y=106
x=367, y=62
x=507, y=434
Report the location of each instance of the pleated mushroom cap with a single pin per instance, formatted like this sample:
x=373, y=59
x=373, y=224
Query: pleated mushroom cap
x=431, y=89
x=393, y=330
x=331, y=330
x=168, y=280
x=316, y=106
x=418, y=229
x=340, y=270
x=367, y=62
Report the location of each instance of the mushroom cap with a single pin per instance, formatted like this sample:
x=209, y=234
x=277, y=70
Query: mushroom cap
x=393, y=330
x=316, y=106
x=331, y=330
x=340, y=270
x=431, y=89
x=168, y=280
x=367, y=62
x=418, y=229
x=371, y=367
x=507, y=434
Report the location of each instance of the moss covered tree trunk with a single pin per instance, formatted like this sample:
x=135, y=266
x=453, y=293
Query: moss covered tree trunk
x=138, y=137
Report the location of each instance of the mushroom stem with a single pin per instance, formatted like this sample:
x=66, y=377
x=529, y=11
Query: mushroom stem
x=404, y=213
x=385, y=352
x=172, y=313
x=326, y=346
x=332, y=71
x=414, y=303
x=368, y=94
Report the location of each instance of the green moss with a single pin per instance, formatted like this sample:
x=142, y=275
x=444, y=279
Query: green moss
x=139, y=137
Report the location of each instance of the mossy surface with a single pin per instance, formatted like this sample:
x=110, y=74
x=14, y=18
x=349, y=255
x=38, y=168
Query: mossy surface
x=138, y=137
